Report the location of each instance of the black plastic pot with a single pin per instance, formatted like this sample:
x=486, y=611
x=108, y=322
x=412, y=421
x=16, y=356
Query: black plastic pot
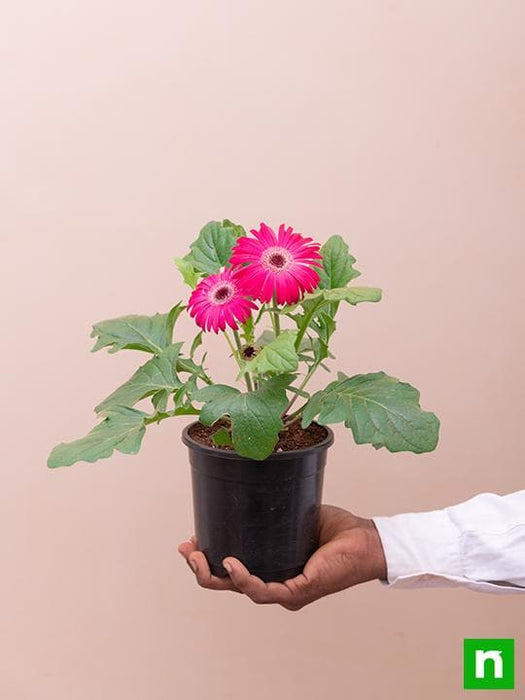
x=265, y=513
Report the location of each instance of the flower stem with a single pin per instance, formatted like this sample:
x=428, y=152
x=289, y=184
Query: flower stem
x=301, y=386
x=234, y=351
x=237, y=355
x=306, y=322
x=238, y=342
x=276, y=322
x=258, y=317
x=247, y=378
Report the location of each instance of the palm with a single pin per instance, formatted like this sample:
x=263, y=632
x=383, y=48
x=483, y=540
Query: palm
x=348, y=554
x=335, y=563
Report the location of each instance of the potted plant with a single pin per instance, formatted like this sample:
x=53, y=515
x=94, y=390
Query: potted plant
x=257, y=448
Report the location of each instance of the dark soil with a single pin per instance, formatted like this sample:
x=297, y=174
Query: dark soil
x=291, y=438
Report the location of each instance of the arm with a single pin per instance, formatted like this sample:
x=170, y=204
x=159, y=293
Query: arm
x=479, y=544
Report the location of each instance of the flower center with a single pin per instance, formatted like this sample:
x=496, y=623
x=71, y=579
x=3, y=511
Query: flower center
x=221, y=293
x=250, y=351
x=276, y=259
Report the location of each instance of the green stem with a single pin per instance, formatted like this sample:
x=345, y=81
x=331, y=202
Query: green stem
x=157, y=417
x=238, y=342
x=237, y=357
x=258, y=317
x=301, y=386
x=202, y=374
x=239, y=350
x=276, y=322
x=234, y=351
x=293, y=417
x=306, y=322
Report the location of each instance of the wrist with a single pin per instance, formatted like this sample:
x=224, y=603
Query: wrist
x=374, y=555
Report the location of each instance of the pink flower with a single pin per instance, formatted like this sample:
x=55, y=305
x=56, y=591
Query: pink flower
x=282, y=265
x=219, y=300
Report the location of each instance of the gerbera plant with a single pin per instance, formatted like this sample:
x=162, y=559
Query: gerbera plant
x=274, y=296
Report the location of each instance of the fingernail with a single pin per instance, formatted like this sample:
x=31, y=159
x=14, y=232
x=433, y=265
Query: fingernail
x=227, y=566
x=192, y=539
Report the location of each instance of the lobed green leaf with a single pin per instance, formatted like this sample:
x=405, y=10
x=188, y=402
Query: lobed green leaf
x=221, y=437
x=337, y=262
x=352, y=295
x=213, y=247
x=147, y=333
x=278, y=356
x=189, y=274
x=122, y=429
x=255, y=416
x=380, y=410
x=159, y=373
x=196, y=343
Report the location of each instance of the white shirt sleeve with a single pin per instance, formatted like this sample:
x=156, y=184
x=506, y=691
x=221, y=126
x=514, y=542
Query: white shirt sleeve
x=479, y=544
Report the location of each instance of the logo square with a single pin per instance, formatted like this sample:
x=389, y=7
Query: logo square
x=488, y=664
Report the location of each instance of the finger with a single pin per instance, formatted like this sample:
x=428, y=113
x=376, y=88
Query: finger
x=205, y=578
x=187, y=547
x=200, y=567
x=255, y=588
x=303, y=591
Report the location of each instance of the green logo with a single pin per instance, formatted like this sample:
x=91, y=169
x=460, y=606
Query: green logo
x=488, y=664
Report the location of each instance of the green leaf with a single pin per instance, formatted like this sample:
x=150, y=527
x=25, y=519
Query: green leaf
x=324, y=326
x=380, y=410
x=237, y=229
x=217, y=398
x=255, y=415
x=146, y=333
x=320, y=350
x=222, y=437
x=352, y=295
x=182, y=397
x=313, y=303
x=122, y=430
x=185, y=364
x=189, y=274
x=338, y=267
x=265, y=338
x=196, y=343
x=157, y=374
x=277, y=357
x=247, y=330
x=213, y=247
x=160, y=400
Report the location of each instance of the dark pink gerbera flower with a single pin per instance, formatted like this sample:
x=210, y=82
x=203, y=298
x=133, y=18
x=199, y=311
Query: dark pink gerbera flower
x=282, y=265
x=220, y=300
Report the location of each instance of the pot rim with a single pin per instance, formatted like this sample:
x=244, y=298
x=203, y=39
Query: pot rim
x=274, y=456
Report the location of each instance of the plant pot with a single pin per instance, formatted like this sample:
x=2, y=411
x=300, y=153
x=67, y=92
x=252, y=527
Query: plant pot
x=265, y=513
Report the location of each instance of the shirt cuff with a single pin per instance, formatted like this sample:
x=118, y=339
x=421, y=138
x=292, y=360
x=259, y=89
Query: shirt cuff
x=420, y=547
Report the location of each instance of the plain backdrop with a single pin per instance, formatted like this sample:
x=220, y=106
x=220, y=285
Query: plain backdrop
x=126, y=126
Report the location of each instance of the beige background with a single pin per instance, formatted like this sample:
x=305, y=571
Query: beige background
x=126, y=126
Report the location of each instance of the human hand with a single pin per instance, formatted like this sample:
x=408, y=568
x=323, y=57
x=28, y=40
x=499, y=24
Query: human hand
x=350, y=552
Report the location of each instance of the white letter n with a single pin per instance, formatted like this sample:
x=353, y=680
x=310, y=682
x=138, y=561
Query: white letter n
x=482, y=656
